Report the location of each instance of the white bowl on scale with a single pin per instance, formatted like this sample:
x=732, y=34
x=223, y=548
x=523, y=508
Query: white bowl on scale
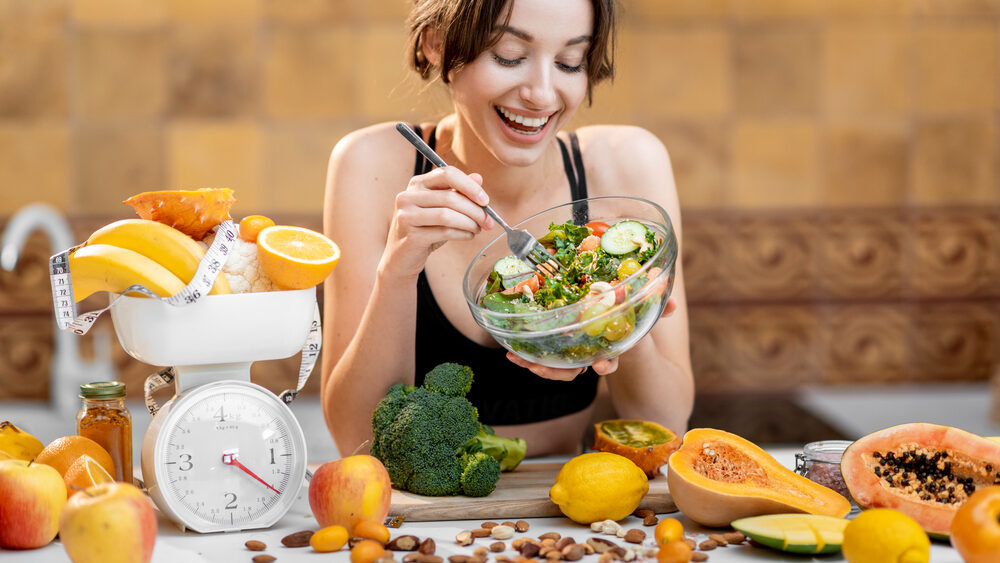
x=220, y=334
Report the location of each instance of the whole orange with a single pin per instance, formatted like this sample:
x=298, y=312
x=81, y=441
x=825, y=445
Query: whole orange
x=62, y=452
x=677, y=551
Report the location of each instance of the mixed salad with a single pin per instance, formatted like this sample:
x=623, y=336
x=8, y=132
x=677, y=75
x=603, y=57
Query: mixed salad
x=602, y=266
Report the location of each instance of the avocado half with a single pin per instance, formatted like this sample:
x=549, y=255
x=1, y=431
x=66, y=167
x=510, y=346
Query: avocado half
x=795, y=533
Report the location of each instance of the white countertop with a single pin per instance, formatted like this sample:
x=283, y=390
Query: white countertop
x=174, y=546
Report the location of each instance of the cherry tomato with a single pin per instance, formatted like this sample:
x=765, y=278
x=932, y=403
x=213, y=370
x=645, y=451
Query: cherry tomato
x=598, y=227
x=975, y=530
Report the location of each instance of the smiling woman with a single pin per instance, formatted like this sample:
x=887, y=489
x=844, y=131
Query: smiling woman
x=517, y=72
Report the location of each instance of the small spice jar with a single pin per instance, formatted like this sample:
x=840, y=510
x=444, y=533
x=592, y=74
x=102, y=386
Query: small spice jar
x=104, y=419
x=820, y=463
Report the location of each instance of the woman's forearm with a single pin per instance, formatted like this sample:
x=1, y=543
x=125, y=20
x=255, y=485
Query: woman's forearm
x=379, y=355
x=649, y=385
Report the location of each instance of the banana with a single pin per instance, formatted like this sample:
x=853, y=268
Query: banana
x=161, y=243
x=103, y=267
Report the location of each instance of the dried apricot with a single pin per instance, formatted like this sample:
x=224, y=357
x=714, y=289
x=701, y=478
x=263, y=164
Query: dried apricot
x=366, y=551
x=668, y=530
x=676, y=551
x=330, y=538
x=371, y=530
x=252, y=225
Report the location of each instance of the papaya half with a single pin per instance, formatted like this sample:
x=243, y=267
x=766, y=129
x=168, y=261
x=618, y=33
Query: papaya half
x=717, y=477
x=926, y=471
x=647, y=444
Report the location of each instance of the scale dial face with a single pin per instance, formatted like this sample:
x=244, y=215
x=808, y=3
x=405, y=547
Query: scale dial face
x=227, y=456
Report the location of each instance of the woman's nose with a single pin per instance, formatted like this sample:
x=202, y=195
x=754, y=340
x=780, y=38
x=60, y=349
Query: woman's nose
x=538, y=91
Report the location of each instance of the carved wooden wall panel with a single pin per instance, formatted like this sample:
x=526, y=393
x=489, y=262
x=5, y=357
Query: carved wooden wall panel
x=777, y=300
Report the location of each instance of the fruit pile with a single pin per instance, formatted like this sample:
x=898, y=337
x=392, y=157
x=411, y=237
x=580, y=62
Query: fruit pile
x=101, y=516
x=164, y=246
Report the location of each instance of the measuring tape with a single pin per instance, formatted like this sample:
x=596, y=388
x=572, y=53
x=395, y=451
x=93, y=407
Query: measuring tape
x=200, y=285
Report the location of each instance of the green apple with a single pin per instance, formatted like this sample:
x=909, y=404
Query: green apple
x=32, y=496
x=108, y=523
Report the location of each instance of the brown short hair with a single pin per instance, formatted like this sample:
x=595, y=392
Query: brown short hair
x=469, y=27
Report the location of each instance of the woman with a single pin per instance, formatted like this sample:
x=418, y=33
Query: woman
x=517, y=72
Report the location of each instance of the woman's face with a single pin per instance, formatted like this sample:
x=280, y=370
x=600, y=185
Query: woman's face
x=518, y=93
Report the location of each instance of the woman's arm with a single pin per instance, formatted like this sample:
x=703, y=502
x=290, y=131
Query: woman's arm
x=386, y=224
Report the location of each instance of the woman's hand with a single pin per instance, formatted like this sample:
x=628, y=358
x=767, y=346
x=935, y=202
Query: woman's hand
x=441, y=205
x=601, y=367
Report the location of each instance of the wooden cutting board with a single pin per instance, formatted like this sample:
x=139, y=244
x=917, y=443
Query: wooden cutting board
x=523, y=493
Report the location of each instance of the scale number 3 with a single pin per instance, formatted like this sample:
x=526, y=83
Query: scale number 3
x=185, y=463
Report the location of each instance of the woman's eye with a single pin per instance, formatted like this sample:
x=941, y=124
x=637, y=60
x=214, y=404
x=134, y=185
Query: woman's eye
x=505, y=62
x=568, y=68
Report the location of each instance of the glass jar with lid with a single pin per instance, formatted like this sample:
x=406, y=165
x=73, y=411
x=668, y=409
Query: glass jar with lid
x=820, y=463
x=105, y=419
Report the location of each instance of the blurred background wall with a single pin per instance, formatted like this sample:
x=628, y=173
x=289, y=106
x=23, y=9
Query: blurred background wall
x=837, y=161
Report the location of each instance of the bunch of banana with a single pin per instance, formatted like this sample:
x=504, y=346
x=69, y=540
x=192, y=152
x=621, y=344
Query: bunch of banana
x=134, y=251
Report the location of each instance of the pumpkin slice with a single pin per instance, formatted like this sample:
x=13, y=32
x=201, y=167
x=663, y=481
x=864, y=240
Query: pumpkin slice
x=926, y=471
x=193, y=212
x=717, y=477
x=646, y=443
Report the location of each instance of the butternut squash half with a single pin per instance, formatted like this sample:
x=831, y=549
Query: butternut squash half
x=717, y=477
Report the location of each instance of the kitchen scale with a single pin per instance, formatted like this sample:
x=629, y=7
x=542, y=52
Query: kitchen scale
x=223, y=454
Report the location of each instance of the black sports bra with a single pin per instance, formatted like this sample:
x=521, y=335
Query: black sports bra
x=503, y=392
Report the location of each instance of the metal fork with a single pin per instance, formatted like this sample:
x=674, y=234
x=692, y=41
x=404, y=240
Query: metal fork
x=521, y=243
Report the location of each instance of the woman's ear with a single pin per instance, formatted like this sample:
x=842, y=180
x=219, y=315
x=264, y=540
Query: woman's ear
x=431, y=46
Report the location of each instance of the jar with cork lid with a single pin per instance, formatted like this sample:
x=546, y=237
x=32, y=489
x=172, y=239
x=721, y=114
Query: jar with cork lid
x=105, y=419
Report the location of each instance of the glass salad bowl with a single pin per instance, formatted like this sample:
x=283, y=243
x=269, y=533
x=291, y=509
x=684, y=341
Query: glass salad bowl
x=571, y=320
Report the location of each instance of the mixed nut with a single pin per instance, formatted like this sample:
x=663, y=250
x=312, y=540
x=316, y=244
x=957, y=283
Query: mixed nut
x=549, y=547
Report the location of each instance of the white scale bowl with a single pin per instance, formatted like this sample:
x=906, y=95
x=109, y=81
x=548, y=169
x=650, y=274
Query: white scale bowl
x=219, y=329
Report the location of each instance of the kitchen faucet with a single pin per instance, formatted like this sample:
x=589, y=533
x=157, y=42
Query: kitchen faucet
x=68, y=369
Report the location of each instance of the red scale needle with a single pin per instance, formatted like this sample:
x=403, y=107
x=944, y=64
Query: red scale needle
x=230, y=459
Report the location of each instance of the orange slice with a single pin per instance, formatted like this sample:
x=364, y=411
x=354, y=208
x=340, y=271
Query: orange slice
x=295, y=257
x=83, y=473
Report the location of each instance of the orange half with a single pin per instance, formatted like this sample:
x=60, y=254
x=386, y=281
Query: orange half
x=83, y=473
x=296, y=257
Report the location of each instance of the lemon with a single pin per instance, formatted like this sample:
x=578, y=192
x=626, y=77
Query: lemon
x=884, y=535
x=599, y=486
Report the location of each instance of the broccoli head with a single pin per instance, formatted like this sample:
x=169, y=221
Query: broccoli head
x=431, y=442
x=449, y=379
x=480, y=475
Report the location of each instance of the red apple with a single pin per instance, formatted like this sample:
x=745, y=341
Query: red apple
x=32, y=496
x=109, y=522
x=348, y=490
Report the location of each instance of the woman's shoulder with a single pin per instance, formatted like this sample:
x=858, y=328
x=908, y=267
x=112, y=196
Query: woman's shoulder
x=622, y=155
x=374, y=144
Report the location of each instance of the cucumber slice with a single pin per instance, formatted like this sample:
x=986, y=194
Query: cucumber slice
x=623, y=237
x=512, y=271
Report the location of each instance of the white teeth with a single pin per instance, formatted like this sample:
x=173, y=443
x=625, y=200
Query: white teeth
x=526, y=121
